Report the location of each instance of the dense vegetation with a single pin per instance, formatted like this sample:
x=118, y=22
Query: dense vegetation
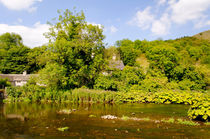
x=155, y=71
x=199, y=110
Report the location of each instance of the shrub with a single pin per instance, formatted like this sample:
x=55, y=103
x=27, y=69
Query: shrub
x=153, y=84
x=185, y=122
x=105, y=83
x=200, y=110
x=4, y=83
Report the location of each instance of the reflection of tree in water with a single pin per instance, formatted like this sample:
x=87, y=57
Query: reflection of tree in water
x=13, y=124
x=4, y=114
x=1, y=110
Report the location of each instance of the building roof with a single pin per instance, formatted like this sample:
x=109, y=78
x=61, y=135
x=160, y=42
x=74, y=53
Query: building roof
x=116, y=64
x=16, y=77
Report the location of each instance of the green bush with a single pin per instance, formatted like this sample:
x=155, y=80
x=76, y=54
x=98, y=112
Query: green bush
x=200, y=110
x=105, y=83
x=4, y=83
x=153, y=84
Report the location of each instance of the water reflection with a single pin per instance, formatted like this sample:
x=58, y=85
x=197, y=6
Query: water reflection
x=42, y=120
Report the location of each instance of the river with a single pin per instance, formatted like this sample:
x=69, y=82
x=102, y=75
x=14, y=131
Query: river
x=23, y=121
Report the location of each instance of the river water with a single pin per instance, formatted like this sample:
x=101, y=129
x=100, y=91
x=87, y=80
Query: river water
x=28, y=121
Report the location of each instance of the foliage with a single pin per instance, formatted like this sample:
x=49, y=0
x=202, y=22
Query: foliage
x=127, y=52
x=105, y=83
x=4, y=83
x=110, y=52
x=132, y=75
x=153, y=84
x=185, y=122
x=63, y=128
x=86, y=95
x=125, y=118
x=119, y=80
x=36, y=59
x=13, y=54
x=163, y=58
x=171, y=120
x=52, y=76
x=200, y=110
x=207, y=123
x=92, y=116
x=7, y=40
x=77, y=46
x=199, y=101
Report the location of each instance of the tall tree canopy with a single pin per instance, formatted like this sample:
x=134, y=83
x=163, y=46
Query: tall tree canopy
x=127, y=52
x=13, y=54
x=77, y=47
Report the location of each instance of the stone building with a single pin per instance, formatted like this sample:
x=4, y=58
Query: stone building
x=17, y=79
x=114, y=63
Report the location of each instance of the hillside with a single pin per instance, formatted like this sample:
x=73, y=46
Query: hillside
x=203, y=35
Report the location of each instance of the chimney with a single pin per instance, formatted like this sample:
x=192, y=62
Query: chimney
x=24, y=73
x=114, y=57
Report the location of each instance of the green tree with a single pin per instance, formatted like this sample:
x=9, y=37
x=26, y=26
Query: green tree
x=132, y=75
x=7, y=40
x=52, y=76
x=37, y=59
x=13, y=54
x=4, y=83
x=127, y=52
x=78, y=47
x=164, y=58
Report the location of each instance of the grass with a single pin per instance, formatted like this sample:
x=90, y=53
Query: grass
x=146, y=119
x=65, y=111
x=125, y=118
x=88, y=95
x=63, y=128
x=92, y=116
x=208, y=123
x=203, y=35
x=171, y=120
x=185, y=122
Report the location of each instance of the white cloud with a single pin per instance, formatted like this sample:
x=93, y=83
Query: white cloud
x=202, y=23
x=32, y=36
x=143, y=19
x=161, y=27
x=20, y=4
x=208, y=22
x=113, y=29
x=146, y=20
x=188, y=10
x=170, y=2
x=19, y=20
x=177, y=12
x=161, y=2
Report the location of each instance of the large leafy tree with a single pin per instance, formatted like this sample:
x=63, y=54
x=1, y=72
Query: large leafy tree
x=76, y=46
x=163, y=58
x=127, y=52
x=37, y=59
x=13, y=54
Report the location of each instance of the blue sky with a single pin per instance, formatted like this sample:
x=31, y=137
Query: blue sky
x=133, y=19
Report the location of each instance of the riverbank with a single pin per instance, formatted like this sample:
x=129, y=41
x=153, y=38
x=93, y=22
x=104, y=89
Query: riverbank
x=200, y=102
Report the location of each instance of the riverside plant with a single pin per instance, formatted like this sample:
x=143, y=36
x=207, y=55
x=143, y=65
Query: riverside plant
x=125, y=118
x=185, y=122
x=63, y=129
x=170, y=120
x=208, y=123
x=200, y=101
